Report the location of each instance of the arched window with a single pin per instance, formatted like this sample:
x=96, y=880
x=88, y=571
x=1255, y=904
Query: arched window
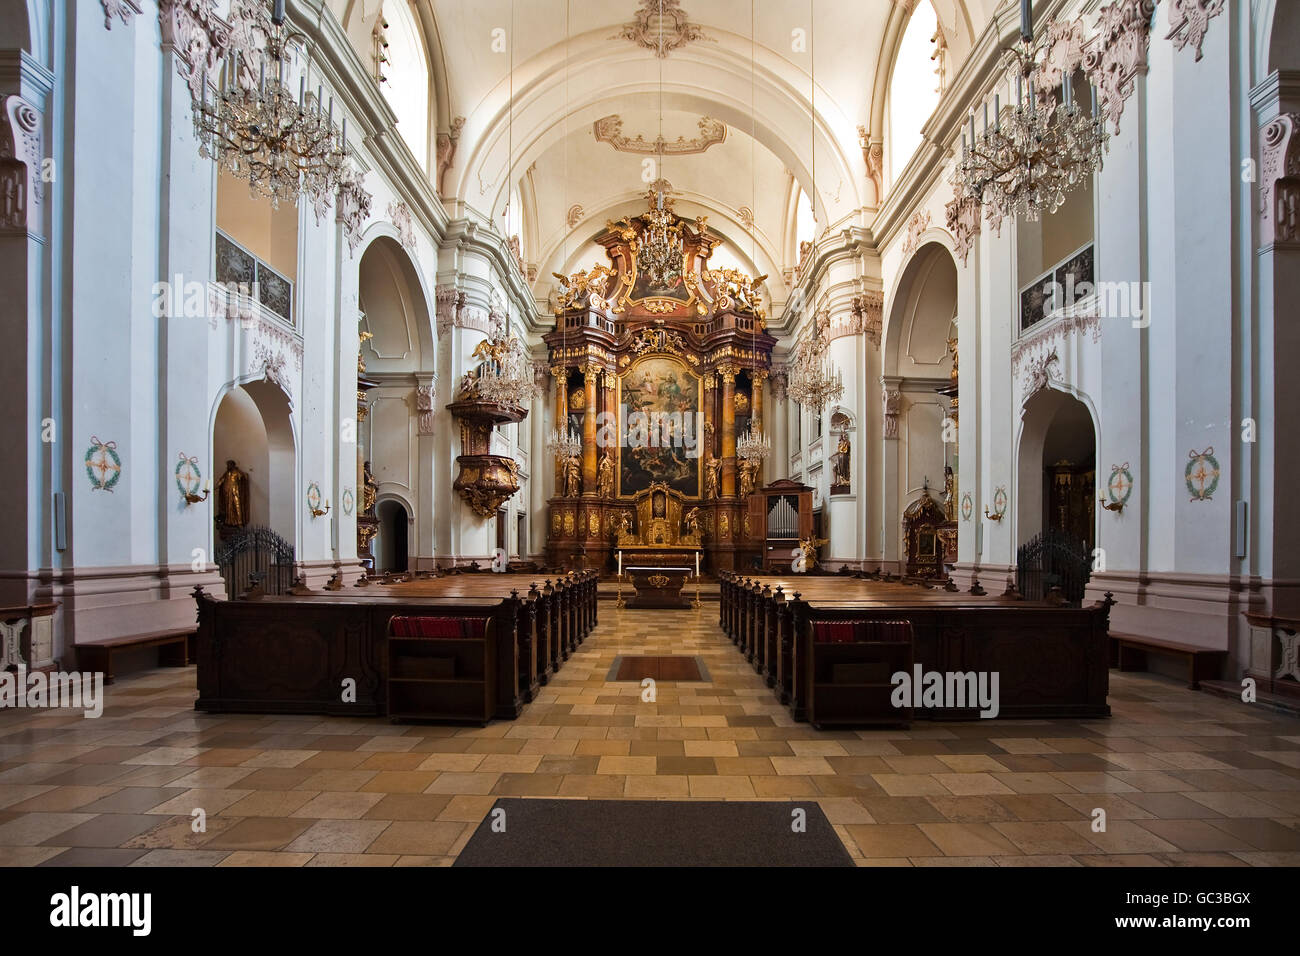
x=913, y=88
x=805, y=227
x=407, y=72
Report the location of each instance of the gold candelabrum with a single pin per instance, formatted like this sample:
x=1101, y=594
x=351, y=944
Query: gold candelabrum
x=697, y=603
x=317, y=512
x=994, y=516
x=1116, y=506
x=618, y=599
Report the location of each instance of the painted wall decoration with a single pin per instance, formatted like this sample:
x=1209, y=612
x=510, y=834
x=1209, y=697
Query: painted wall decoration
x=188, y=475
x=1201, y=474
x=967, y=506
x=349, y=501
x=659, y=399
x=103, y=464
x=1120, y=485
x=313, y=496
x=1000, y=500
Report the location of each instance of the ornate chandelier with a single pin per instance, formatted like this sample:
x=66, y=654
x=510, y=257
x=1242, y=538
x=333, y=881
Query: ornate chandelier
x=1043, y=148
x=505, y=376
x=814, y=382
x=753, y=446
x=659, y=249
x=563, y=445
x=282, y=144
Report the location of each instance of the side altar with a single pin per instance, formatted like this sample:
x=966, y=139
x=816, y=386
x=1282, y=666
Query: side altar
x=658, y=364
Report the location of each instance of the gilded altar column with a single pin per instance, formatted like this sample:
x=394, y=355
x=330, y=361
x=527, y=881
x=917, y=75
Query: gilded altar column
x=728, y=374
x=591, y=377
x=710, y=425
x=758, y=377
x=561, y=376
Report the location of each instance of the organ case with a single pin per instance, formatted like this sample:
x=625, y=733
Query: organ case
x=780, y=516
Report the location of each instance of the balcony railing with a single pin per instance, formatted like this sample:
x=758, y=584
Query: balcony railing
x=1060, y=288
x=237, y=268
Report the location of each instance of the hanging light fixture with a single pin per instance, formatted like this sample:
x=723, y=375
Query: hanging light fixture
x=814, y=382
x=1024, y=165
x=753, y=445
x=659, y=247
x=564, y=442
x=284, y=145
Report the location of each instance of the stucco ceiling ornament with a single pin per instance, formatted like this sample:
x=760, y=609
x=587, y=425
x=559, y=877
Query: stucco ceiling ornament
x=352, y=208
x=1189, y=20
x=609, y=129
x=399, y=214
x=1116, y=54
x=124, y=10
x=661, y=26
x=963, y=220
x=916, y=227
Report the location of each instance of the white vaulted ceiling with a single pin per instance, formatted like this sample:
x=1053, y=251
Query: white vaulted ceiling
x=560, y=65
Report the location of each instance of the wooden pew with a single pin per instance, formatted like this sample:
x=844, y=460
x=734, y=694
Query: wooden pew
x=173, y=647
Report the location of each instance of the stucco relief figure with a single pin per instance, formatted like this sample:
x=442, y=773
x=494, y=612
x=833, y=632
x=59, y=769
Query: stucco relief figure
x=949, y=493
x=573, y=477
x=748, y=476
x=232, y=497
x=712, y=474
x=605, y=476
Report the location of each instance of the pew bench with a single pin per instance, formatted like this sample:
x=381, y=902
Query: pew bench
x=849, y=669
x=1128, y=652
x=173, y=646
x=441, y=668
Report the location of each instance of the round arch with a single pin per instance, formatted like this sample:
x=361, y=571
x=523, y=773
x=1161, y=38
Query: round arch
x=252, y=423
x=540, y=118
x=382, y=238
x=928, y=275
x=1052, y=419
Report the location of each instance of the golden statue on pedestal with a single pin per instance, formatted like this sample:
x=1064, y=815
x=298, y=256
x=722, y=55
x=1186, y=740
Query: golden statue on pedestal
x=748, y=477
x=232, y=497
x=605, y=476
x=573, y=476
x=712, y=476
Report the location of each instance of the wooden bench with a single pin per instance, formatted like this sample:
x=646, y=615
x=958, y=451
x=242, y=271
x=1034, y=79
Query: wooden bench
x=173, y=650
x=1128, y=652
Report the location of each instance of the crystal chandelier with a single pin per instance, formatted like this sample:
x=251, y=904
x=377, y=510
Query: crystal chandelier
x=814, y=382
x=753, y=445
x=1026, y=163
x=505, y=376
x=563, y=445
x=659, y=251
x=282, y=144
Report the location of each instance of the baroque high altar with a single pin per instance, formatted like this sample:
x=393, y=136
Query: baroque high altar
x=658, y=363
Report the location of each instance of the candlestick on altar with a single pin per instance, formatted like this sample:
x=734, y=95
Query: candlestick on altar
x=620, y=565
x=697, y=564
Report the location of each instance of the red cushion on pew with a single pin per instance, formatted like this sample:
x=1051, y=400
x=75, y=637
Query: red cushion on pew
x=438, y=627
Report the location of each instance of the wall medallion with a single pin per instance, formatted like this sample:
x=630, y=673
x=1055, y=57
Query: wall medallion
x=1201, y=474
x=313, y=496
x=967, y=506
x=349, y=501
x=1120, y=485
x=103, y=465
x=1000, y=500
x=188, y=475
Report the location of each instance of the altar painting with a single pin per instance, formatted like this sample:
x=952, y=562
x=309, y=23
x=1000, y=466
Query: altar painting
x=659, y=402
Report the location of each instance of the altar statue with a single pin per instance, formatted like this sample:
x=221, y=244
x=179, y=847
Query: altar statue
x=605, y=476
x=232, y=497
x=712, y=474
x=692, y=521
x=573, y=476
x=369, y=490
x=748, y=475
x=624, y=524
x=949, y=493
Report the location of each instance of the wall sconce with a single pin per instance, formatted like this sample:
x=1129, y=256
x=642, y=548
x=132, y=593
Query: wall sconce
x=1116, y=506
x=995, y=516
x=192, y=499
x=317, y=513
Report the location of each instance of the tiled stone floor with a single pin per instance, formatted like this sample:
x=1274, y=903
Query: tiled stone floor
x=1184, y=778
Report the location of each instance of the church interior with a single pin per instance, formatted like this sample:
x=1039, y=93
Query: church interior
x=574, y=433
